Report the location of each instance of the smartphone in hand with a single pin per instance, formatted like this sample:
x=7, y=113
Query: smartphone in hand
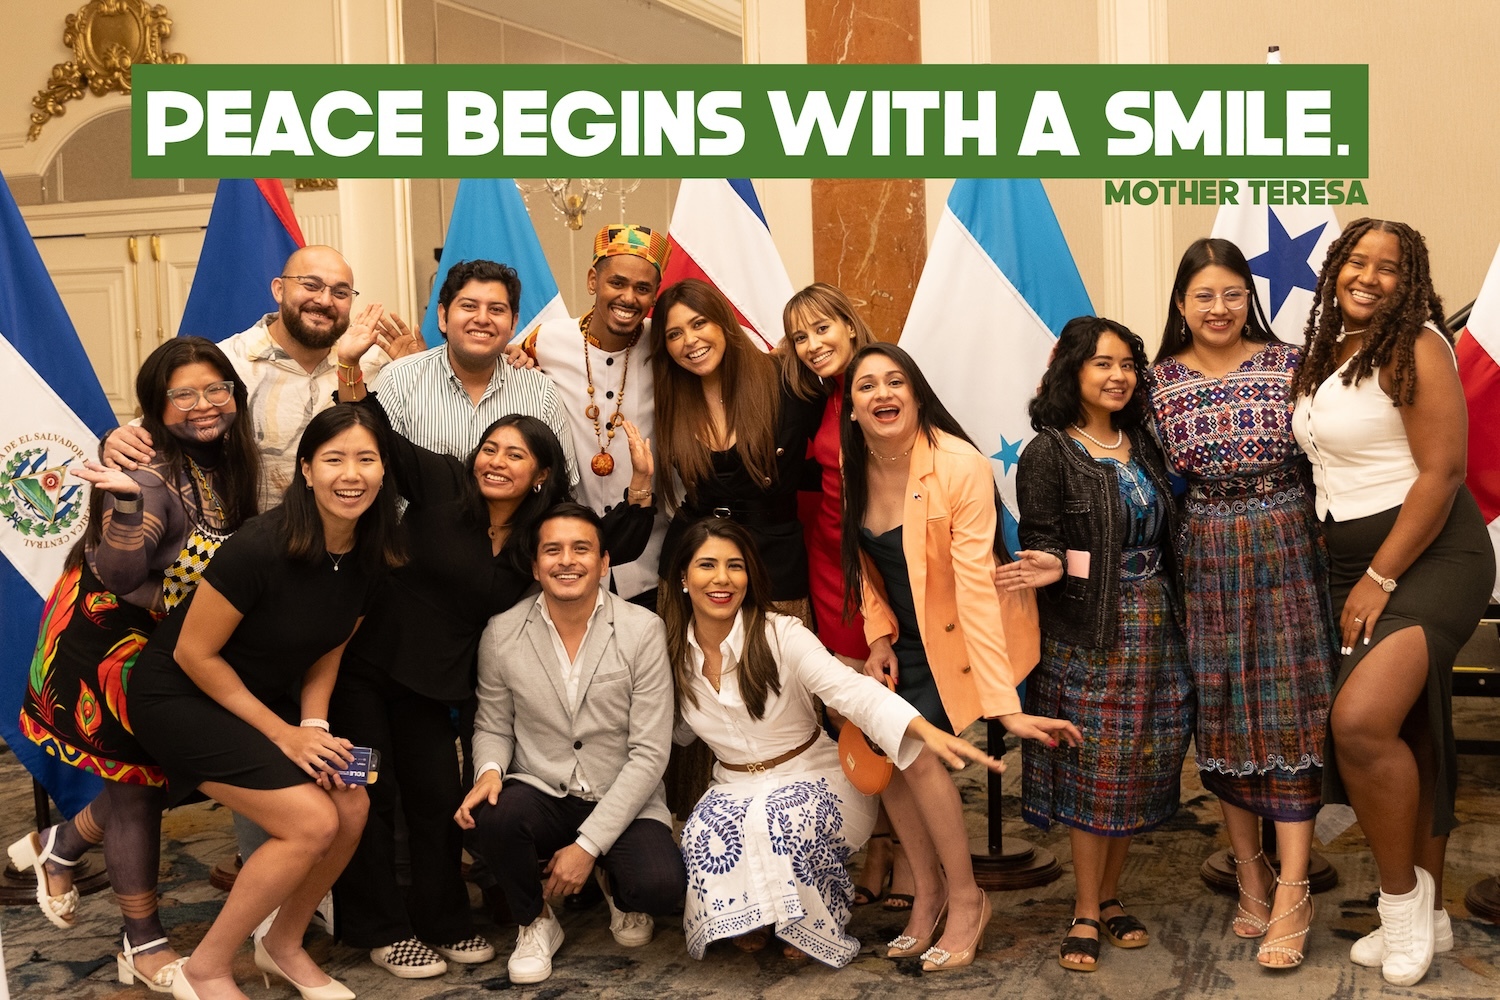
x=364, y=769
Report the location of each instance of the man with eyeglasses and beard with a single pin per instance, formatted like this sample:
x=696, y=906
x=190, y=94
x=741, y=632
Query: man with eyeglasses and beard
x=288, y=365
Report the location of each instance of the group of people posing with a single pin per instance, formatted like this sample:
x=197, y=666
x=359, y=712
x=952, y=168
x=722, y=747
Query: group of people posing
x=521, y=572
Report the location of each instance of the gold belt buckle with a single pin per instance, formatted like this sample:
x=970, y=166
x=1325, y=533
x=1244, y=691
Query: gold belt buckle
x=757, y=767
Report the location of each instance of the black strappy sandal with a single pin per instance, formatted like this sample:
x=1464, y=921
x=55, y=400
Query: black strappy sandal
x=1118, y=927
x=1072, y=945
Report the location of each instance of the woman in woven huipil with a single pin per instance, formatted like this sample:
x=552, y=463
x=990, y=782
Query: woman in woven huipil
x=1259, y=623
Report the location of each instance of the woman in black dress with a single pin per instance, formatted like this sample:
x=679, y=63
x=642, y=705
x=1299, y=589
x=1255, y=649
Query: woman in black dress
x=215, y=698
x=151, y=530
x=466, y=525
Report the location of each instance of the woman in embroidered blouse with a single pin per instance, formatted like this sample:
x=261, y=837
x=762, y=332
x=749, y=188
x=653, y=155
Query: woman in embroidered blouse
x=919, y=548
x=1097, y=523
x=1381, y=414
x=150, y=533
x=780, y=811
x=1259, y=625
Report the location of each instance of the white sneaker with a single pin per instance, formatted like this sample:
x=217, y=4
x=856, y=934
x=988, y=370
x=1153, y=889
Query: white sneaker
x=631, y=930
x=536, y=943
x=1369, y=950
x=1408, y=929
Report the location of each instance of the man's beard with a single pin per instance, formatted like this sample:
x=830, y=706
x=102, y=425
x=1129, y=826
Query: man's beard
x=308, y=337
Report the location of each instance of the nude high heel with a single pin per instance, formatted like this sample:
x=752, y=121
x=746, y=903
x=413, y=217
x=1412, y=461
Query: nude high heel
x=939, y=960
x=331, y=990
x=906, y=946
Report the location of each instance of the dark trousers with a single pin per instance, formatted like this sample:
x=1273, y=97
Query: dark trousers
x=418, y=767
x=519, y=835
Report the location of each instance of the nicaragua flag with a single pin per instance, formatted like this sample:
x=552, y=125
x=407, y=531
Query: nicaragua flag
x=998, y=286
x=1285, y=245
x=1479, y=368
x=51, y=415
x=490, y=222
x=251, y=233
x=718, y=233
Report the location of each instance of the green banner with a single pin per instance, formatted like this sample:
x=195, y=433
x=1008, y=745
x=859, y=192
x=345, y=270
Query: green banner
x=1137, y=121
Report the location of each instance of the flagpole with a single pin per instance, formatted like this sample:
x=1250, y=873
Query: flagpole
x=999, y=864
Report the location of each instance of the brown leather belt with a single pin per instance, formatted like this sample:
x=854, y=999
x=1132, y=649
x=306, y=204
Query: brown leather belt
x=757, y=766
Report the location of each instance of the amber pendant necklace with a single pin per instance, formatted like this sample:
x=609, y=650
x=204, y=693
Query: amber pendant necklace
x=603, y=463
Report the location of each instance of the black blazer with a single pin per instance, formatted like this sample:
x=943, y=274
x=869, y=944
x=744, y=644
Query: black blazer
x=1070, y=501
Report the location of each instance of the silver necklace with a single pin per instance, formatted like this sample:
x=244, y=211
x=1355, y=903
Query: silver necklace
x=1119, y=438
x=336, y=559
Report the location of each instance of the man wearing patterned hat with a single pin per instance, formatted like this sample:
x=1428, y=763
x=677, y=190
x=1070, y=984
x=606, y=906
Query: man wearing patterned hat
x=601, y=364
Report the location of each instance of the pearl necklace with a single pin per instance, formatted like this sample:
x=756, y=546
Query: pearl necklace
x=1119, y=438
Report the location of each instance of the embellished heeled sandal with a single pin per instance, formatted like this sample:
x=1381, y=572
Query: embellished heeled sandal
x=1277, y=945
x=62, y=909
x=1242, y=915
x=1073, y=945
x=937, y=959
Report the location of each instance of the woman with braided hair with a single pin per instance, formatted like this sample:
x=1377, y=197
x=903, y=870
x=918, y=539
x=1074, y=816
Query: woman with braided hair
x=1381, y=414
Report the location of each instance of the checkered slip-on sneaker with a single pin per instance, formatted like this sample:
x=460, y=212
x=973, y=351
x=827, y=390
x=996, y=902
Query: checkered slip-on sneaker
x=470, y=951
x=409, y=959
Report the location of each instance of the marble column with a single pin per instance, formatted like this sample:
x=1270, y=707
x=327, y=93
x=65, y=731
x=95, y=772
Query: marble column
x=869, y=236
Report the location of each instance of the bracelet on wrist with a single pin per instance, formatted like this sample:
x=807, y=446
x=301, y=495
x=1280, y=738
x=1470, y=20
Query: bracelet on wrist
x=316, y=724
x=127, y=504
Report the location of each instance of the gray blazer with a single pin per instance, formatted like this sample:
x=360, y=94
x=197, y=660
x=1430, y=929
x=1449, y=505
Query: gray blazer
x=619, y=732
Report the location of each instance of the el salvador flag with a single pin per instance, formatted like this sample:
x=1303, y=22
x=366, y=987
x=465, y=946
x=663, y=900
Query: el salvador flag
x=998, y=286
x=490, y=222
x=51, y=415
x=1285, y=245
x=719, y=234
x=251, y=232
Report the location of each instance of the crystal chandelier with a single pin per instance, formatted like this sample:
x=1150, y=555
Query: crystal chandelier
x=573, y=198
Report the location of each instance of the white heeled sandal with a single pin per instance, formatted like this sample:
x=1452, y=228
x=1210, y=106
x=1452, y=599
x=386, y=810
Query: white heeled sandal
x=61, y=910
x=161, y=982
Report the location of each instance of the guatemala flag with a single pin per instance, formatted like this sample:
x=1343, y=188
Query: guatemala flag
x=998, y=286
x=490, y=222
x=251, y=233
x=719, y=234
x=51, y=415
x=1479, y=367
x=1285, y=245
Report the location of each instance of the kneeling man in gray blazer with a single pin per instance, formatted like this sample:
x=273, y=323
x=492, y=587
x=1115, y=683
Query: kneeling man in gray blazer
x=570, y=744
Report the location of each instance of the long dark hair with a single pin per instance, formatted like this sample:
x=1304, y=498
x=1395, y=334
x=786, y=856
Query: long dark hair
x=378, y=540
x=748, y=378
x=759, y=677
x=932, y=417
x=1057, y=402
x=555, y=489
x=1393, y=330
x=1208, y=252
x=236, y=474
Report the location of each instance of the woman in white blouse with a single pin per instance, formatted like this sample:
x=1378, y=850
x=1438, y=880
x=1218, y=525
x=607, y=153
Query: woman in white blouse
x=1380, y=412
x=765, y=847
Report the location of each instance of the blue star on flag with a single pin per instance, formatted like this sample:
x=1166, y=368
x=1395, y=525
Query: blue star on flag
x=1009, y=453
x=1285, y=262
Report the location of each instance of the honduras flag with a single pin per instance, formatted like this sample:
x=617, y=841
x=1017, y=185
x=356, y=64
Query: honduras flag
x=998, y=286
x=251, y=233
x=51, y=415
x=490, y=222
x=1285, y=245
x=719, y=234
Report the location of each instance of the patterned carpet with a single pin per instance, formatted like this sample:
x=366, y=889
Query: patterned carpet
x=1193, y=953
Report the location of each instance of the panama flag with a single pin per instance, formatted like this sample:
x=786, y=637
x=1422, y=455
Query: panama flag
x=251, y=233
x=1479, y=367
x=51, y=415
x=1285, y=245
x=490, y=222
x=998, y=286
x=719, y=234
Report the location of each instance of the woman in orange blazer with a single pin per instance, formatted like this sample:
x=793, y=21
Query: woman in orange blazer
x=919, y=560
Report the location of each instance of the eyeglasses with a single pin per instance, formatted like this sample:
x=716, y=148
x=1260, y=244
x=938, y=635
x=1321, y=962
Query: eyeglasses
x=217, y=394
x=1234, y=298
x=315, y=285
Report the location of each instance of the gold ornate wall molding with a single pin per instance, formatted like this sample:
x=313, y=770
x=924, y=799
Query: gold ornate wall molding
x=107, y=37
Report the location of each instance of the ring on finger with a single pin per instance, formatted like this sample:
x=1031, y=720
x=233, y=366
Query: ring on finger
x=1359, y=621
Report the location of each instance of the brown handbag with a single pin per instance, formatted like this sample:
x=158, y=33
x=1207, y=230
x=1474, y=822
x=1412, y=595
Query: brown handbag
x=865, y=765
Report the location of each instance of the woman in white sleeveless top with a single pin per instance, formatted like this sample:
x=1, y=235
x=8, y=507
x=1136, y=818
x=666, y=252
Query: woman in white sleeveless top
x=1381, y=414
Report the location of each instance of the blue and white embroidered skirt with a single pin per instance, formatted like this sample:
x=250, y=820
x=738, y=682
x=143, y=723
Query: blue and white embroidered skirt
x=770, y=849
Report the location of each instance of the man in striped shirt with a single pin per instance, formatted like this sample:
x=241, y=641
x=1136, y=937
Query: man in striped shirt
x=444, y=398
